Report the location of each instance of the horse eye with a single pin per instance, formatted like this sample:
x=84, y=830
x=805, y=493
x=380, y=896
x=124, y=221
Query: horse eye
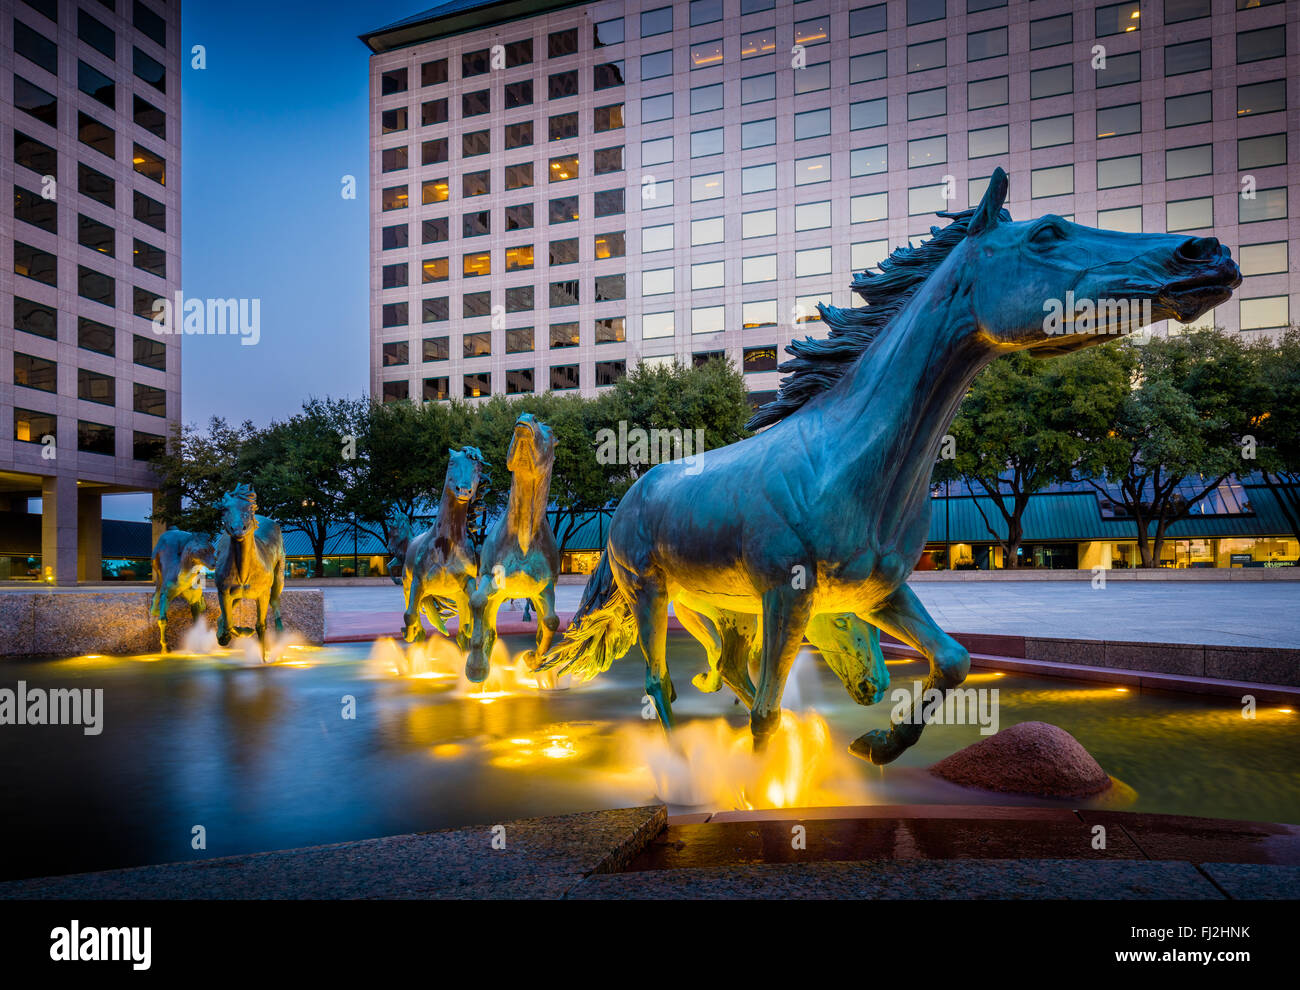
x=1045, y=236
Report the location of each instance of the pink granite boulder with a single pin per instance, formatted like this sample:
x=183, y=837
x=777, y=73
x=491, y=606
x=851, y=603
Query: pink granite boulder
x=1030, y=758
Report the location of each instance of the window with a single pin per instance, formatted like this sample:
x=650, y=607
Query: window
x=757, y=178
x=476, y=224
x=866, y=254
x=658, y=238
x=519, y=217
x=927, y=55
x=1120, y=69
x=703, y=99
x=655, y=325
x=611, y=287
x=31, y=426
x=475, y=143
x=433, y=73
x=865, y=68
x=1190, y=56
x=1268, y=204
x=868, y=113
x=435, y=270
x=869, y=161
x=146, y=446
x=563, y=169
x=1189, y=214
x=759, y=359
x=149, y=69
x=1051, y=81
x=706, y=54
x=95, y=84
x=31, y=99
x=761, y=268
x=1183, y=162
x=476, y=263
x=757, y=43
x=1261, y=152
x=395, y=276
x=97, y=438
x=810, y=124
x=1253, y=46
x=37, y=48
x=657, y=21
x=808, y=171
x=95, y=286
x=867, y=20
x=1118, y=18
x=35, y=155
x=758, y=223
x=928, y=151
x=477, y=384
x=35, y=318
x=393, y=120
x=31, y=207
x=757, y=89
x=475, y=63
x=519, y=299
x=561, y=43
x=656, y=108
x=564, y=376
x=1194, y=108
x=606, y=75
x=476, y=184
x=704, y=187
x=657, y=282
x=563, y=125
x=149, y=400
x=396, y=353
x=476, y=344
x=1049, y=31
x=927, y=103
x=1115, y=172
x=518, y=135
x=564, y=252
x=815, y=31
x=1255, y=98
x=656, y=65
x=36, y=373
x=149, y=165
x=611, y=330
x=392, y=81
x=564, y=293
x=149, y=117
x=608, y=118
x=519, y=176
x=435, y=151
x=706, y=231
x=1265, y=313
x=921, y=11
x=1127, y=219
x=396, y=391
x=1057, y=181
x=754, y=315
x=1048, y=132
x=607, y=33
x=708, y=319
x=987, y=141
x=1185, y=10
x=519, y=380
x=562, y=84
x=926, y=199
x=873, y=206
x=519, y=340
x=986, y=44
x=608, y=203
x=435, y=389
x=435, y=349
x=395, y=314
x=393, y=159
x=433, y=112
x=706, y=275
x=435, y=230
x=611, y=245
x=476, y=103
x=95, y=387
x=564, y=335
x=99, y=136
x=1263, y=259
x=1113, y=121
x=519, y=94
x=705, y=11
x=983, y=93
x=35, y=264
x=753, y=134
x=148, y=258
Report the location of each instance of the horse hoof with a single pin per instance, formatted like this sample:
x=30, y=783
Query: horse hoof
x=531, y=660
x=477, y=670
x=709, y=681
x=876, y=747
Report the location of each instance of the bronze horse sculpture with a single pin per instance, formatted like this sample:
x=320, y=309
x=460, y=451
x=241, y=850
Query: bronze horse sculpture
x=520, y=558
x=812, y=527
x=439, y=565
x=250, y=565
x=179, y=560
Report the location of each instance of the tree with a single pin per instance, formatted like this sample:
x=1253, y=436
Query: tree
x=1180, y=425
x=195, y=470
x=1016, y=431
x=1277, y=424
x=300, y=470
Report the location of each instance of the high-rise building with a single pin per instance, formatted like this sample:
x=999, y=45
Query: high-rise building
x=90, y=125
x=560, y=190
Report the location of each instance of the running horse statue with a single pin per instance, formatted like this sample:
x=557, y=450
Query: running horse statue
x=812, y=527
x=250, y=565
x=519, y=558
x=179, y=560
x=439, y=566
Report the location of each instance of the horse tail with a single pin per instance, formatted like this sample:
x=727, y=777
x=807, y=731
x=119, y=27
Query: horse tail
x=601, y=631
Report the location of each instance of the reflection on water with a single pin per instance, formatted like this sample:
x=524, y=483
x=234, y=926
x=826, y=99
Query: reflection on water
x=263, y=757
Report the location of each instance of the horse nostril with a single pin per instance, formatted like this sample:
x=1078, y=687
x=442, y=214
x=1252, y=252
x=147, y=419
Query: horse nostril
x=1197, y=249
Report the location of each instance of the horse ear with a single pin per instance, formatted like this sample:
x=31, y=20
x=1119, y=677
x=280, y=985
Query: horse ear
x=986, y=214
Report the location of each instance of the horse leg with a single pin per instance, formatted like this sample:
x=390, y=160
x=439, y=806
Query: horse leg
x=904, y=617
x=741, y=641
x=785, y=614
x=484, y=603
x=851, y=648
x=277, y=586
x=650, y=609
x=547, y=623
x=414, y=631
x=227, y=605
x=464, y=622
x=160, y=606
x=263, y=606
x=706, y=634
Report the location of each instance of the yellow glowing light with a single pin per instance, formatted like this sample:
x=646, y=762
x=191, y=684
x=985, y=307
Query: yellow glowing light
x=1122, y=690
x=1285, y=711
x=445, y=750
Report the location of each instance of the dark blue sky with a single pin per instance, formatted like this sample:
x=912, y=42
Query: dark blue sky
x=268, y=130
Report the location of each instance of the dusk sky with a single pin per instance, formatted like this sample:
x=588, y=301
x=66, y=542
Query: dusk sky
x=268, y=129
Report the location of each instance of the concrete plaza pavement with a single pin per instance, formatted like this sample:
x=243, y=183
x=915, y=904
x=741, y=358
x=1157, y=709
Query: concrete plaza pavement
x=1220, y=613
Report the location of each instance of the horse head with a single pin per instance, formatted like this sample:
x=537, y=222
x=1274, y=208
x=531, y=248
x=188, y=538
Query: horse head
x=464, y=472
x=239, y=512
x=532, y=447
x=399, y=538
x=199, y=549
x=1050, y=286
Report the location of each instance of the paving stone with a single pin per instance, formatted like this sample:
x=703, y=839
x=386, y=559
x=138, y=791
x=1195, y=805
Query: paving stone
x=1255, y=881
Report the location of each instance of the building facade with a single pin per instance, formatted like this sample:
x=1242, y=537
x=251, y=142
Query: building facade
x=561, y=190
x=90, y=125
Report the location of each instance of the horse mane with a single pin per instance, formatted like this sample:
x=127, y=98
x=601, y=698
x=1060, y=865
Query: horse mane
x=819, y=363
